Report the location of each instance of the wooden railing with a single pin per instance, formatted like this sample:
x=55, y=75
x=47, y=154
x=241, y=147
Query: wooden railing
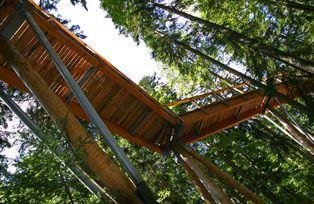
x=219, y=95
x=204, y=99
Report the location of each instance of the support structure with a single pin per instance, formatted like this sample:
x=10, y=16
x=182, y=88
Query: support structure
x=58, y=70
x=91, y=154
x=142, y=188
x=74, y=168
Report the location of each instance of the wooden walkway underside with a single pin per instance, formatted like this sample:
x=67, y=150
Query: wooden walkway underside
x=125, y=108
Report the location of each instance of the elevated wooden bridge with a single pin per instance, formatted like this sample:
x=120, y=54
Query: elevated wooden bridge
x=124, y=107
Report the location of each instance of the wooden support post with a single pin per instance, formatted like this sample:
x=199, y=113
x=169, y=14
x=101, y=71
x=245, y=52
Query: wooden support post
x=209, y=190
x=89, y=151
x=227, y=179
x=294, y=132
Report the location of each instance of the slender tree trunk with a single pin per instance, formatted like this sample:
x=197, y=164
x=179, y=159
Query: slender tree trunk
x=299, y=63
x=194, y=169
x=226, y=178
x=295, y=133
x=291, y=5
x=88, y=150
x=290, y=101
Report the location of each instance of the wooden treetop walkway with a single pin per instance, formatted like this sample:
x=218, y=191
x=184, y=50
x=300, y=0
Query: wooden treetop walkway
x=125, y=108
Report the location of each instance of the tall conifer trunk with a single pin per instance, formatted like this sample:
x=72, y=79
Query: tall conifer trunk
x=88, y=150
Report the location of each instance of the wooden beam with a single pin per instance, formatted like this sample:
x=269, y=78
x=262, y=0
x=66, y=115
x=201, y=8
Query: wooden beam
x=218, y=127
x=236, y=101
x=216, y=108
x=91, y=154
x=9, y=77
x=187, y=100
x=239, y=117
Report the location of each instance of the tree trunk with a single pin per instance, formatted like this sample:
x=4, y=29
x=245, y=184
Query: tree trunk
x=299, y=63
x=226, y=178
x=199, y=177
x=295, y=133
x=89, y=151
x=291, y=5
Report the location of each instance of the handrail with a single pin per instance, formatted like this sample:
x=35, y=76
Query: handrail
x=191, y=99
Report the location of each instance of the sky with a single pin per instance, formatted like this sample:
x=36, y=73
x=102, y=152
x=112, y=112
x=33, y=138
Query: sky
x=134, y=61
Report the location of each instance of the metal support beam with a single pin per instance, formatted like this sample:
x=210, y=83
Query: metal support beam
x=142, y=187
x=75, y=169
x=83, y=79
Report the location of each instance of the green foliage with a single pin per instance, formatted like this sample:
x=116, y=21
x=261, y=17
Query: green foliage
x=228, y=31
x=264, y=160
x=251, y=33
x=157, y=89
x=254, y=153
x=39, y=178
